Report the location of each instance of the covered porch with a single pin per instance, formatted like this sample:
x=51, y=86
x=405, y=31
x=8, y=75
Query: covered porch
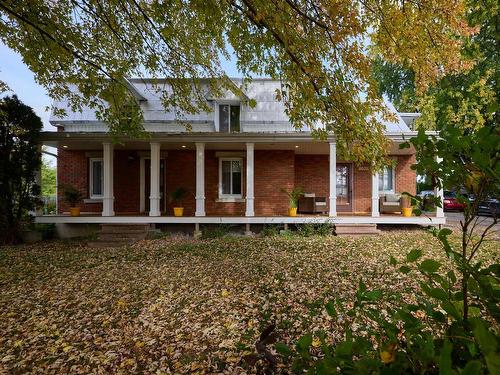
x=141, y=173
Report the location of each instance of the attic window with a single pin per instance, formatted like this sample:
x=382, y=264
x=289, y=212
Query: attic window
x=229, y=118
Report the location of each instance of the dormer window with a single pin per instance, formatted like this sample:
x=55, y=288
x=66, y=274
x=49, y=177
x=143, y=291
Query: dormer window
x=229, y=118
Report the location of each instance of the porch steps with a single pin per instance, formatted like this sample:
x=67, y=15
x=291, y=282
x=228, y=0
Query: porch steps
x=357, y=229
x=116, y=235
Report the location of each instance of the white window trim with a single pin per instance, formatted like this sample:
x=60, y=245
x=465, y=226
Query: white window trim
x=229, y=103
x=393, y=190
x=230, y=197
x=91, y=179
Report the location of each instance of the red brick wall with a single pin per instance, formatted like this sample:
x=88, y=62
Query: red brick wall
x=406, y=178
x=312, y=174
x=212, y=206
x=181, y=172
x=362, y=186
x=274, y=170
x=73, y=169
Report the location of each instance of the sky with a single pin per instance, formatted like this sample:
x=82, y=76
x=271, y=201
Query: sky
x=21, y=81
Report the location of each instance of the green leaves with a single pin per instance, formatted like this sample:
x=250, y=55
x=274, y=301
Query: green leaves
x=413, y=255
x=429, y=266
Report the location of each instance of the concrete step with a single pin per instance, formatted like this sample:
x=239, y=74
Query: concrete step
x=124, y=228
x=356, y=229
x=99, y=243
x=117, y=235
x=126, y=237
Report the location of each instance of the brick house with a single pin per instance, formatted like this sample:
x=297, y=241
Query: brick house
x=233, y=164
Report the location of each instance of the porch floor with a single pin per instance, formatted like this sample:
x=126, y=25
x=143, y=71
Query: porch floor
x=342, y=218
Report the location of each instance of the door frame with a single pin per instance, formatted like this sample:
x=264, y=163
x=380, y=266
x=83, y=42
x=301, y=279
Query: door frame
x=142, y=184
x=350, y=207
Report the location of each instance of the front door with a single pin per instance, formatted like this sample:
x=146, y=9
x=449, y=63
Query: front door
x=344, y=187
x=147, y=184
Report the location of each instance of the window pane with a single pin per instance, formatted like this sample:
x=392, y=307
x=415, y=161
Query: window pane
x=342, y=185
x=385, y=180
x=224, y=118
x=97, y=177
x=235, y=118
x=226, y=177
x=236, y=169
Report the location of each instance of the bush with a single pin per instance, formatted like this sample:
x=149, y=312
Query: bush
x=310, y=229
x=270, y=230
x=216, y=232
x=441, y=332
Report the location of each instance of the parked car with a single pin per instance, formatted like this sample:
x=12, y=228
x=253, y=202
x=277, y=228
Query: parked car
x=450, y=202
x=489, y=207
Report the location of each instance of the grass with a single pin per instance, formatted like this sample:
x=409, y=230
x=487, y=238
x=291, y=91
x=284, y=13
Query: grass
x=179, y=305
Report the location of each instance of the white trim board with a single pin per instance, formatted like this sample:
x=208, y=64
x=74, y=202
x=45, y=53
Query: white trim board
x=48, y=219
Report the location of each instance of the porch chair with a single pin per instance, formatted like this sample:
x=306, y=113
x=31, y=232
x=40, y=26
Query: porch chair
x=309, y=203
x=390, y=203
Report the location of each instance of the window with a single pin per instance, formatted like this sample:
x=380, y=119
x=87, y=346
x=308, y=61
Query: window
x=229, y=118
x=386, y=179
x=96, y=180
x=230, y=178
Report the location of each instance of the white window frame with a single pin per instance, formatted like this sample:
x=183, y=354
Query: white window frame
x=230, y=196
x=91, y=179
x=393, y=188
x=217, y=113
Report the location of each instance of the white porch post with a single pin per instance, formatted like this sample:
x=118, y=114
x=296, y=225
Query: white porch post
x=375, y=196
x=250, y=173
x=154, y=196
x=200, y=179
x=333, y=180
x=38, y=180
x=438, y=192
x=108, y=197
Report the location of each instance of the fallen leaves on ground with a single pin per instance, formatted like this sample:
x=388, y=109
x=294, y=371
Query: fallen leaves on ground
x=178, y=305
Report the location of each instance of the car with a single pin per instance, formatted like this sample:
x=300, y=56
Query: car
x=450, y=202
x=489, y=207
x=426, y=193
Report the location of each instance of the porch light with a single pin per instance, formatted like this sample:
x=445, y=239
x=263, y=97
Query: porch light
x=183, y=146
x=65, y=146
x=296, y=146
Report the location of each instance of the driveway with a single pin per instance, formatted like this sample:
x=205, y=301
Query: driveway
x=453, y=222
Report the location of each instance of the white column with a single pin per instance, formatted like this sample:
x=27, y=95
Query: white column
x=375, y=196
x=438, y=192
x=154, y=196
x=108, y=197
x=38, y=181
x=333, y=180
x=250, y=180
x=200, y=179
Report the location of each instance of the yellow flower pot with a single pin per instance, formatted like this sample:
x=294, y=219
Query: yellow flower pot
x=407, y=211
x=178, y=211
x=292, y=211
x=74, y=211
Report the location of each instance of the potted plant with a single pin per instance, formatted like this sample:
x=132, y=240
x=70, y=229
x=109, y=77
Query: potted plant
x=176, y=198
x=72, y=196
x=293, y=197
x=406, y=206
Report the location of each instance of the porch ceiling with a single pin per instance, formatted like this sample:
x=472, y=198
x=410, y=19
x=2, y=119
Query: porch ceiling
x=300, y=143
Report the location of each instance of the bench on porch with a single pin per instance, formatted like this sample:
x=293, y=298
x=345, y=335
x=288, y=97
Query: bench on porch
x=309, y=203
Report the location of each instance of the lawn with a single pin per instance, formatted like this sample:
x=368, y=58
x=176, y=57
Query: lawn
x=176, y=305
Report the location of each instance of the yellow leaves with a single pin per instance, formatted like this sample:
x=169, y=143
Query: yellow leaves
x=129, y=362
x=316, y=343
x=225, y=293
x=139, y=344
x=389, y=354
x=121, y=304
